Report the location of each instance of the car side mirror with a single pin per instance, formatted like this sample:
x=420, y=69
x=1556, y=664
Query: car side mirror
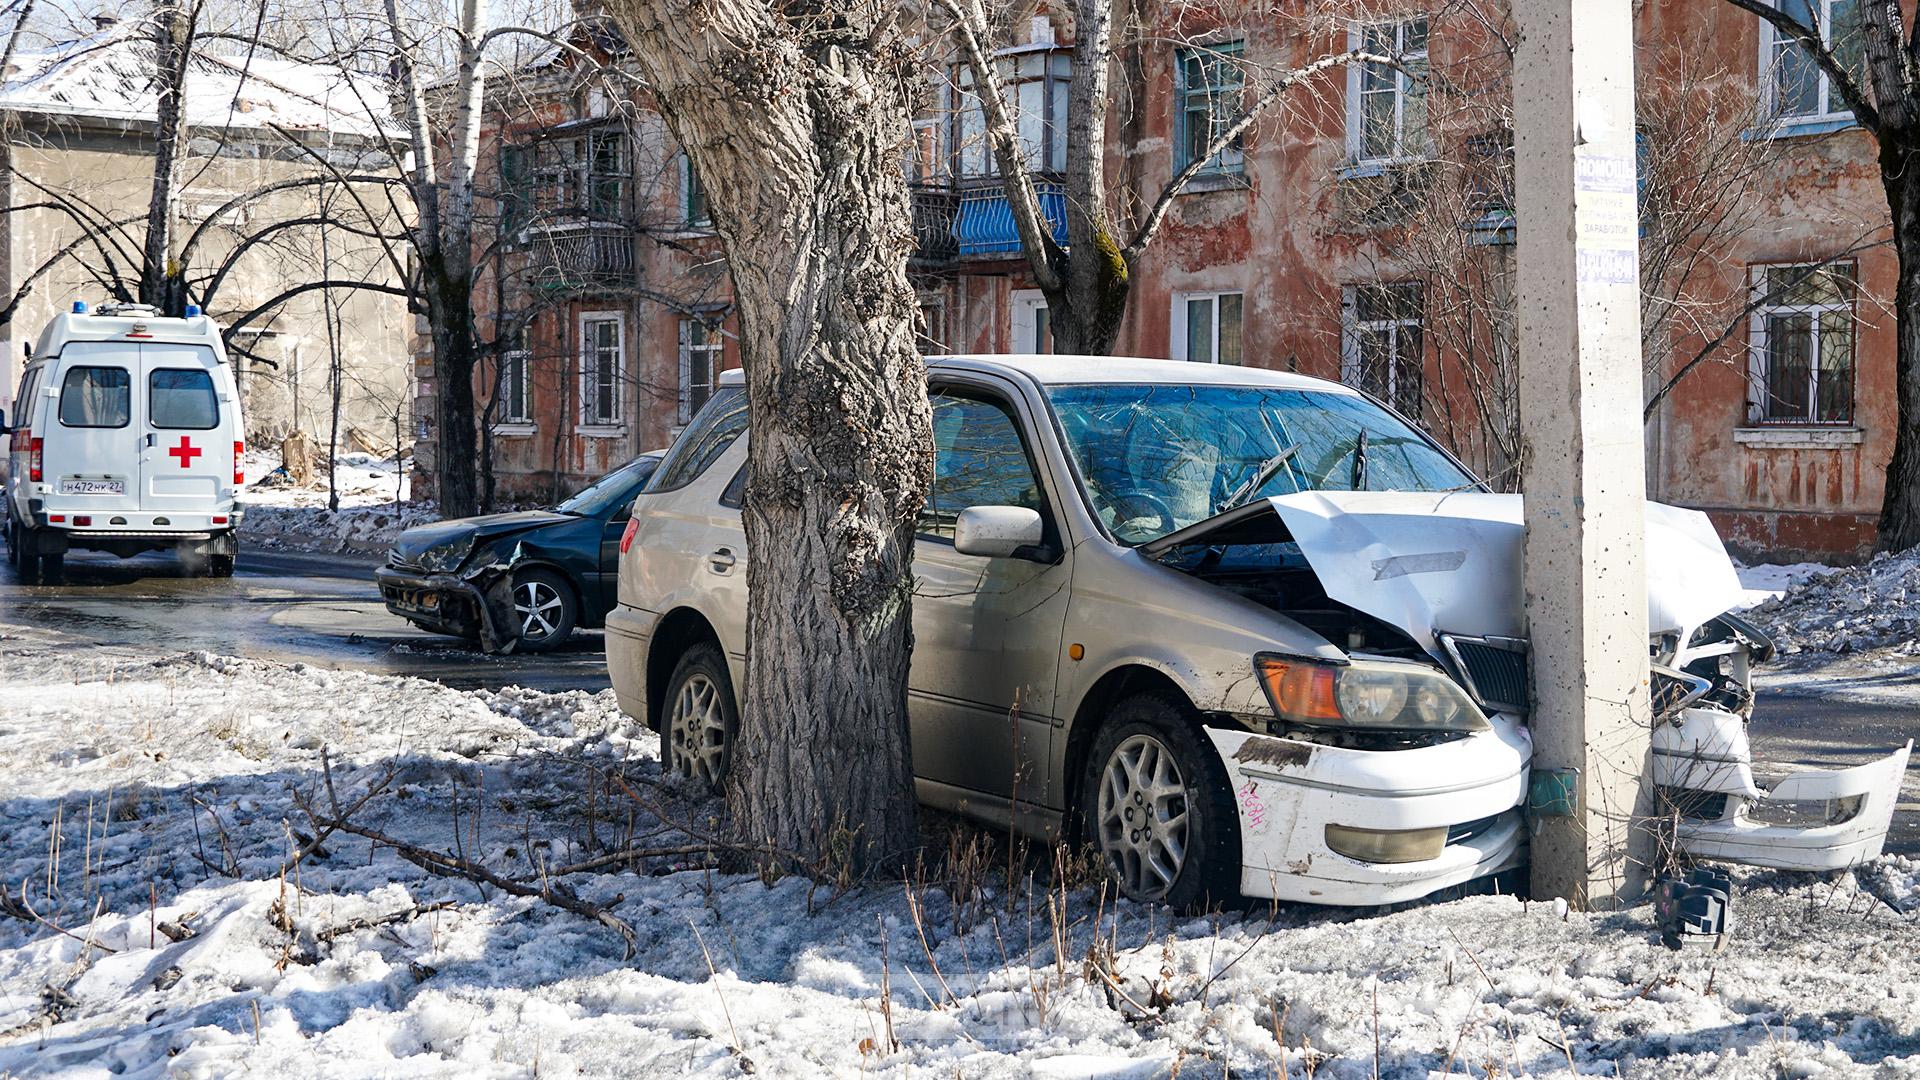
x=996, y=532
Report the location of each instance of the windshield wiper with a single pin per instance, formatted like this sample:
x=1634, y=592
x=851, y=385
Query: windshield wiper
x=1258, y=480
x=1359, y=478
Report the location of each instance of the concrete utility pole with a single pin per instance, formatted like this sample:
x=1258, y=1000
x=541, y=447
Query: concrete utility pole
x=1583, y=469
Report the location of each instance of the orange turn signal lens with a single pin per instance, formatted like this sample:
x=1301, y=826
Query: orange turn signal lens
x=1298, y=690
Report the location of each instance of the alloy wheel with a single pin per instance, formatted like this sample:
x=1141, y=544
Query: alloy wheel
x=1143, y=816
x=539, y=606
x=697, y=728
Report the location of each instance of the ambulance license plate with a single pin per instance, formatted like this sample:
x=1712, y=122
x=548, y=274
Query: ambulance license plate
x=93, y=487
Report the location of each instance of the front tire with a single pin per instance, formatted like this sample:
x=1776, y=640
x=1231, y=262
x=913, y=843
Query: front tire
x=544, y=609
x=1158, y=807
x=702, y=717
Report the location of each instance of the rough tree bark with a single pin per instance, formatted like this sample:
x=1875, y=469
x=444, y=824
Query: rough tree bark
x=162, y=282
x=796, y=119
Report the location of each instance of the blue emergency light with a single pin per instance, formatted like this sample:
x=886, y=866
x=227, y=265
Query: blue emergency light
x=193, y=310
x=79, y=307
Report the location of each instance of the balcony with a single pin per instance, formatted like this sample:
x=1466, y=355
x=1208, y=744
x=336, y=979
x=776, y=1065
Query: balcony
x=984, y=224
x=934, y=207
x=580, y=254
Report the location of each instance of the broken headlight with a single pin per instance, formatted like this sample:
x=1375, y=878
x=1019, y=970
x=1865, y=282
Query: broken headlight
x=447, y=555
x=1377, y=694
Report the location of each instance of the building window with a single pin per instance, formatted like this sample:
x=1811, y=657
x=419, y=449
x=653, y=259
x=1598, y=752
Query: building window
x=516, y=379
x=1796, y=88
x=1208, y=90
x=1032, y=322
x=1207, y=327
x=1387, y=104
x=583, y=176
x=693, y=197
x=699, y=364
x=1036, y=83
x=602, y=348
x=1801, y=359
x=1382, y=351
x=512, y=199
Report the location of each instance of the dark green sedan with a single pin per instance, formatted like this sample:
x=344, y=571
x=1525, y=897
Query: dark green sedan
x=520, y=581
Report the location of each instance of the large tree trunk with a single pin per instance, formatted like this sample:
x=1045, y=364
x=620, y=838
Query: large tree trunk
x=450, y=314
x=1085, y=312
x=796, y=121
x=162, y=284
x=1900, y=506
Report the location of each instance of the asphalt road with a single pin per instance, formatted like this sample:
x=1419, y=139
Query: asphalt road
x=324, y=610
x=317, y=609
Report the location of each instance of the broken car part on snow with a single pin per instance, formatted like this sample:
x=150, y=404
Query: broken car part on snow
x=1355, y=659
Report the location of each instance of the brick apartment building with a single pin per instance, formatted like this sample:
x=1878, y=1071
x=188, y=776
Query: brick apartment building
x=614, y=295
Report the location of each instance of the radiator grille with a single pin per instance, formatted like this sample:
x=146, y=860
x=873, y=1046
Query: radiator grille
x=1496, y=672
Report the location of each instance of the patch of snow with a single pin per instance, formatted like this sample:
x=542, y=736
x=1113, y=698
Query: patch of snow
x=1856, y=609
x=282, y=515
x=144, y=799
x=1770, y=581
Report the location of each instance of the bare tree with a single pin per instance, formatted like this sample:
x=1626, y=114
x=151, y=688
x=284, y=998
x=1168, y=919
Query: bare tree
x=1870, y=64
x=1088, y=280
x=797, y=118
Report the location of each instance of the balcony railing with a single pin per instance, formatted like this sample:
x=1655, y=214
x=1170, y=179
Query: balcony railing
x=581, y=254
x=952, y=222
x=984, y=225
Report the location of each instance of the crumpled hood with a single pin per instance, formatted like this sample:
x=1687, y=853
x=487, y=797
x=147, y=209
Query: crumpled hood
x=1427, y=562
x=1430, y=562
x=421, y=537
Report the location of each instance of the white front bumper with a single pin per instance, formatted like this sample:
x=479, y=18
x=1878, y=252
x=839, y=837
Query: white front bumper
x=1707, y=751
x=1288, y=792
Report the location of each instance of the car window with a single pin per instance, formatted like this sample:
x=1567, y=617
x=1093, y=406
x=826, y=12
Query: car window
x=96, y=397
x=978, y=460
x=1159, y=457
x=615, y=488
x=181, y=398
x=713, y=430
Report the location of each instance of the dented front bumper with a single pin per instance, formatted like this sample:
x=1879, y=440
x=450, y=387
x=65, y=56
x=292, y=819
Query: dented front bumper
x=1289, y=792
x=1702, y=767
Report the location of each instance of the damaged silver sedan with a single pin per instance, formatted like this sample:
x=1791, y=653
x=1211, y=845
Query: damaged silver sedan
x=1245, y=632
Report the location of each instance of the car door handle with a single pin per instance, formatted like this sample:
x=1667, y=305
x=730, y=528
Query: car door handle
x=150, y=440
x=721, y=561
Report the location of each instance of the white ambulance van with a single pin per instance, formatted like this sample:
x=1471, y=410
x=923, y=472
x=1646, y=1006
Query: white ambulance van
x=125, y=437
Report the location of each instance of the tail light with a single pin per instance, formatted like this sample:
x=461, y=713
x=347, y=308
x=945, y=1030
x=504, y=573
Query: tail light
x=239, y=474
x=85, y=521
x=33, y=459
x=626, y=538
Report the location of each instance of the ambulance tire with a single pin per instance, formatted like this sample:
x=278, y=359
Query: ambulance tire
x=53, y=568
x=219, y=566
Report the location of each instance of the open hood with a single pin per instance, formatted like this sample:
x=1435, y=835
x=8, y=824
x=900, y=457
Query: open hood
x=1431, y=562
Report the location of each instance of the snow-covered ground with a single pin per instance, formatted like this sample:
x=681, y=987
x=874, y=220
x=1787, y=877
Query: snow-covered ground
x=149, y=803
x=1770, y=581
x=1873, y=608
x=374, y=506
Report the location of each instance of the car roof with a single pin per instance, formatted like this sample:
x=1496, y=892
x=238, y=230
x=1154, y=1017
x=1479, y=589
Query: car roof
x=1054, y=370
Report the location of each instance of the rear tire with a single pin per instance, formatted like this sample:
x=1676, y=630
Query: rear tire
x=544, y=608
x=53, y=569
x=1158, y=807
x=220, y=566
x=696, y=737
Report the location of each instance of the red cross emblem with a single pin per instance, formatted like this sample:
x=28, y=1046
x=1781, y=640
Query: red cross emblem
x=186, y=452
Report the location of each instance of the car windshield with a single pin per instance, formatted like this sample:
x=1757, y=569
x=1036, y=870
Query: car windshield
x=1159, y=457
x=611, y=490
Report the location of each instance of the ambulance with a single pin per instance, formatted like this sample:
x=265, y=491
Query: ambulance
x=126, y=437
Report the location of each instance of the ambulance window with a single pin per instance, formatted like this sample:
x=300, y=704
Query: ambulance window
x=100, y=397
x=182, y=398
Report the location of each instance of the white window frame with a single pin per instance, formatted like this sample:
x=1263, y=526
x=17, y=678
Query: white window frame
x=516, y=366
x=1758, y=343
x=1356, y=134
x=1179, y=325
x=1026, y=306
x=590, y=423
x=1352, y=372
x=1770, y=46
x=684, y=407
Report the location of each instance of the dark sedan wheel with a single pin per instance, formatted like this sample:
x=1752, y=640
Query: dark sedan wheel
x=1159, y=807
x=544, y=608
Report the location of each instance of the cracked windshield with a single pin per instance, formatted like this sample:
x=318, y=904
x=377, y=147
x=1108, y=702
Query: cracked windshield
x=1157, y=458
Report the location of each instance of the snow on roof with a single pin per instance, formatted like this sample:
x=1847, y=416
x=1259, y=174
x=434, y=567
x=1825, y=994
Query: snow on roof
x=110, y=75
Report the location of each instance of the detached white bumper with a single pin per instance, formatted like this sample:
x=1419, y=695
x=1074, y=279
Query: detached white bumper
x=1707, y=752
x=1289, y=792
